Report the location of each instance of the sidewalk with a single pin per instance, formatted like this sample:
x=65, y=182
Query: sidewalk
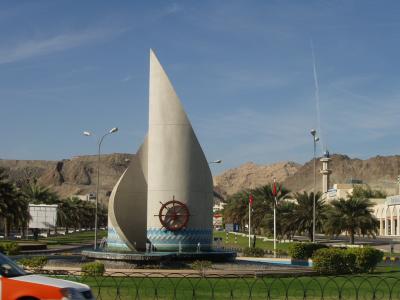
x=187, y=272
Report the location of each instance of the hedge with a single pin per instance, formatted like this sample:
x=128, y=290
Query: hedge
x=304, y=250
x=93, y=269
x=9, y=248
x=346, y=261
x=35, y=263
x=366, y=258
x=201, y=265
x=253, y=252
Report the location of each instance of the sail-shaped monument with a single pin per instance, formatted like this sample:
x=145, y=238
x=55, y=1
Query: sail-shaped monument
x=165, y=197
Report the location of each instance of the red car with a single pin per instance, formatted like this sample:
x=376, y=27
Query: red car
x=16, y=284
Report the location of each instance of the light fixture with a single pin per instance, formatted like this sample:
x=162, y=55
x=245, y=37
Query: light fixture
x=218, y=161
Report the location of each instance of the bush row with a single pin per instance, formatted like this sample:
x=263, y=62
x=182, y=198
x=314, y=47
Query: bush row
x=201, y=265
x=303, y=250
x=253, y=252
x=93, y=269
x=259, y=252
x=35, y=263
x=9, y=248
x=346, y=261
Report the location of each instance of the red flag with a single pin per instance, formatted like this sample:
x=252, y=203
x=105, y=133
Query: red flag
x=274, y=190
x=251, y=200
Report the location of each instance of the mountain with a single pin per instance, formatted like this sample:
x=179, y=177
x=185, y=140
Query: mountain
x=75, y=176
x=251, y=175
x=378, y=172
x=78, y=175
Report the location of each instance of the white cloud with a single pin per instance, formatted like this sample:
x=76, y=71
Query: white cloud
x=41, y=46
x=126, y=78
x=172, y=9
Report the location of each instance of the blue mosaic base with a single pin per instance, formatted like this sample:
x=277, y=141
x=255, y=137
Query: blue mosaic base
x=164, y=239
x=114, y=241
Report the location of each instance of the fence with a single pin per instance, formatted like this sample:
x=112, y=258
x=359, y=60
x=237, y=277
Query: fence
x=150, y=285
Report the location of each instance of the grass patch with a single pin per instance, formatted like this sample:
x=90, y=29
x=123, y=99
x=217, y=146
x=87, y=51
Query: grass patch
x=243, y=242
x=306, y=287
x=83, y=237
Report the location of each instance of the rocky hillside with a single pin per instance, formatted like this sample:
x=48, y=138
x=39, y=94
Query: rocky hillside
x=78, y=175
x=251, y=175
x=378, y=172
x=75, y=176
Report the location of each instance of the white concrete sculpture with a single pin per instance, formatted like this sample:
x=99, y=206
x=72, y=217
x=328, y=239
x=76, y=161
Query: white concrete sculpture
x=165, y=196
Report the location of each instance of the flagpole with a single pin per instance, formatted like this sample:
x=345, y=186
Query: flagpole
x=249, y=222
x=275, y=227
x=274, y=192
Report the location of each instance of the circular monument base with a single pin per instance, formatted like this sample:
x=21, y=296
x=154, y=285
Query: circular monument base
x=160, y=257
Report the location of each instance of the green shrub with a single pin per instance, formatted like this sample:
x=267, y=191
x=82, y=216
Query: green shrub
x=93, y=269
x=304, y=250
x=201, y=265
x=35, y=263
x=281, y=252
x=254, y=252
x=343, y=261
x=366, y=258
x=334, y=261
x=10, y=248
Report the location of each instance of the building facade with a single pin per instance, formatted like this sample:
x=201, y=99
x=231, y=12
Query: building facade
x=388, y=214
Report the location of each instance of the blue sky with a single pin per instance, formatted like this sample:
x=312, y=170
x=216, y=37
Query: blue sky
x=243, y=70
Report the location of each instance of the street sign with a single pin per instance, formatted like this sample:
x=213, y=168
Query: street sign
x=232, y=227
x=43, y=216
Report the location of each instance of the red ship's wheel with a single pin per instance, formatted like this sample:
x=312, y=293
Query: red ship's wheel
x=174, y=215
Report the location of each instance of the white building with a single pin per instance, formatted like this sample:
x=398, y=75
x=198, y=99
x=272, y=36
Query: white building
x=388, y=214
x=387, y=211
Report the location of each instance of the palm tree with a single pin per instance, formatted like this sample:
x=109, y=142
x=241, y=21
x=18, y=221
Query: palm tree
x=6, y=198
x=367, y=193
x=264, y=206
x=236, y=209
x=302, y=216
x=353, y=216
x=284, y=226
x=37, y=194
x=18, y=209
x=13, y=206
x=103, y=216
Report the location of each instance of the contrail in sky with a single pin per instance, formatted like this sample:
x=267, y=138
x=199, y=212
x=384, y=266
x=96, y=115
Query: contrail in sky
x=317, y=96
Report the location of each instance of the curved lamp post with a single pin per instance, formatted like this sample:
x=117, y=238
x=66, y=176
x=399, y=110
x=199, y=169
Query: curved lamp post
x=100, y=141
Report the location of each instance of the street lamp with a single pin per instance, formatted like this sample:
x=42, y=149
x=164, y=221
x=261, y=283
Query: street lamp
x=99, y=142
x=218, y=161
x=315, y=140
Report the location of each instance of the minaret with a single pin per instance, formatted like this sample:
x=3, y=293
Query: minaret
x=325, y=172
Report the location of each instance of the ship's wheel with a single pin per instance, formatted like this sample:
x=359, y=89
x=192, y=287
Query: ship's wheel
x=174, y=215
